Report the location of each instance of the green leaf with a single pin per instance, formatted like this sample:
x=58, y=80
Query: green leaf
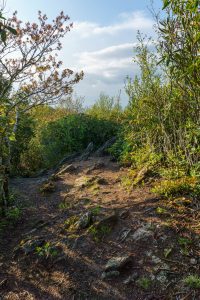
x=12, y=137
x=166, y=3
x=167, y=252
x=3, y=36
x=1, y=17
x=196, y=4
x=12, y=30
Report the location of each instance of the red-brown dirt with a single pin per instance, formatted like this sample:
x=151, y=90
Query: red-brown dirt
x=75, y=270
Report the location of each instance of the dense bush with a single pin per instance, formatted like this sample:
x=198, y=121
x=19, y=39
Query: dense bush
x=162, y=124
x=64, y=136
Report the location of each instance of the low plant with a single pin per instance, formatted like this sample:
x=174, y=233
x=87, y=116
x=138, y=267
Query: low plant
x=184, y=244
x=47, y=250
x=180, y=186
x=64, y=205
x=70, y=223
x=95, y=210
x=192, y=281
x=99, y=233
x=13, y=214
x=161, y=210
x=48, y=187
x=144, y=283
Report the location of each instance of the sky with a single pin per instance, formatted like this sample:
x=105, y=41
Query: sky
x=102, y=39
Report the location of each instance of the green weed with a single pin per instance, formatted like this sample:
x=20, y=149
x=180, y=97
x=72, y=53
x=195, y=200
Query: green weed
x=144, y=283
x=192, y=281
x=181, y=186
x=99, y=233
x=47, y=250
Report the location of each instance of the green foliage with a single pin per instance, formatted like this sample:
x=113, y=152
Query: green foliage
x=99, y=233
x=72, y=134
x=95, y=210
x=11, y=217
x=161, y=122
x=106, y=108
x=177, y=187
x=161, y=210
x=192, y=281
x=23, y=136
x=144, y=283
x=47, y=250
x=70, y=223
x=184, y=244
x=4, y=29
x=48, y=187
x=64, y=205
x=13, y=214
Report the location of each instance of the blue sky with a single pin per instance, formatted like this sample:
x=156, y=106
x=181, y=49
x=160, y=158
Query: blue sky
x=102, y=40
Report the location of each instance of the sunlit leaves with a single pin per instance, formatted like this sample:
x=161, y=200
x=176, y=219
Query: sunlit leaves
x=166, y=3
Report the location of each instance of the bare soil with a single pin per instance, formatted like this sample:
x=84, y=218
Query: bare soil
x=75, y=270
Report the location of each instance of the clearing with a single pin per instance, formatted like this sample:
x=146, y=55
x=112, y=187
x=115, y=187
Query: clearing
x=84, y=235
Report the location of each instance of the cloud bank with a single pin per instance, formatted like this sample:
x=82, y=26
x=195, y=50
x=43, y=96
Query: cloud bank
x=105, y=53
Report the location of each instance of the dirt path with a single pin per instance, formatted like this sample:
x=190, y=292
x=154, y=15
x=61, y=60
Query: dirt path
x=62, y=243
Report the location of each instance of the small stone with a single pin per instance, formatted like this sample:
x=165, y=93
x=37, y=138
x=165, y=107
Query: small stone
x=131, y=278
x=162, y=277
x=142, y=233
x=30, y=245
x=67, y=169
x=117, y=263
x=156, y=260
x=84, y=221
x=124, y=234
x=193, y=261
x=110, y=274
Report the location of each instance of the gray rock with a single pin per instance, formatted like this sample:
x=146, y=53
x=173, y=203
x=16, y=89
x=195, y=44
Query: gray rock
x=162, y=277
x=124, y=234
x=96, y=166
x=31, y=245
x=67, y=169
x=104, y=149
x=84, y=221
x=86, y=153
x=132, y=278
x=156, y=260
x=142, y=233
x=193, y=261
x=110, y=274
x=116, y=263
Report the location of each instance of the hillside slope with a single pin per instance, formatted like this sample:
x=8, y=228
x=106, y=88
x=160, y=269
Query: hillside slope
x=83, y=235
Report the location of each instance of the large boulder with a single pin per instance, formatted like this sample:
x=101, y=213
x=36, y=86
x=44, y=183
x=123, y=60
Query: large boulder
x=117, y=263
x=103, y=150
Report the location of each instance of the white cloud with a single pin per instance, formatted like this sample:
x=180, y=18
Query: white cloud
x=109, y=62
x=128, y=21
x=105, y=53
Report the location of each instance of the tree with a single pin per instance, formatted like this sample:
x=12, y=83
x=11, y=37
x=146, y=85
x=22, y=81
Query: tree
x=179, y=46
x=31, y=76
x=106, y=107
x=4, y=28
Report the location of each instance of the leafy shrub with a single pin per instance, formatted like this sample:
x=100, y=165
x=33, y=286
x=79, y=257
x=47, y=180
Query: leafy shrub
x=181, y=186
x=64, y=136
x=144, y=283
x=47, y=250
x=13, y=214
x=192, y=281
x=99, y=233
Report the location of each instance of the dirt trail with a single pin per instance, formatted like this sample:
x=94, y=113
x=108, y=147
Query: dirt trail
x=48, y=256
